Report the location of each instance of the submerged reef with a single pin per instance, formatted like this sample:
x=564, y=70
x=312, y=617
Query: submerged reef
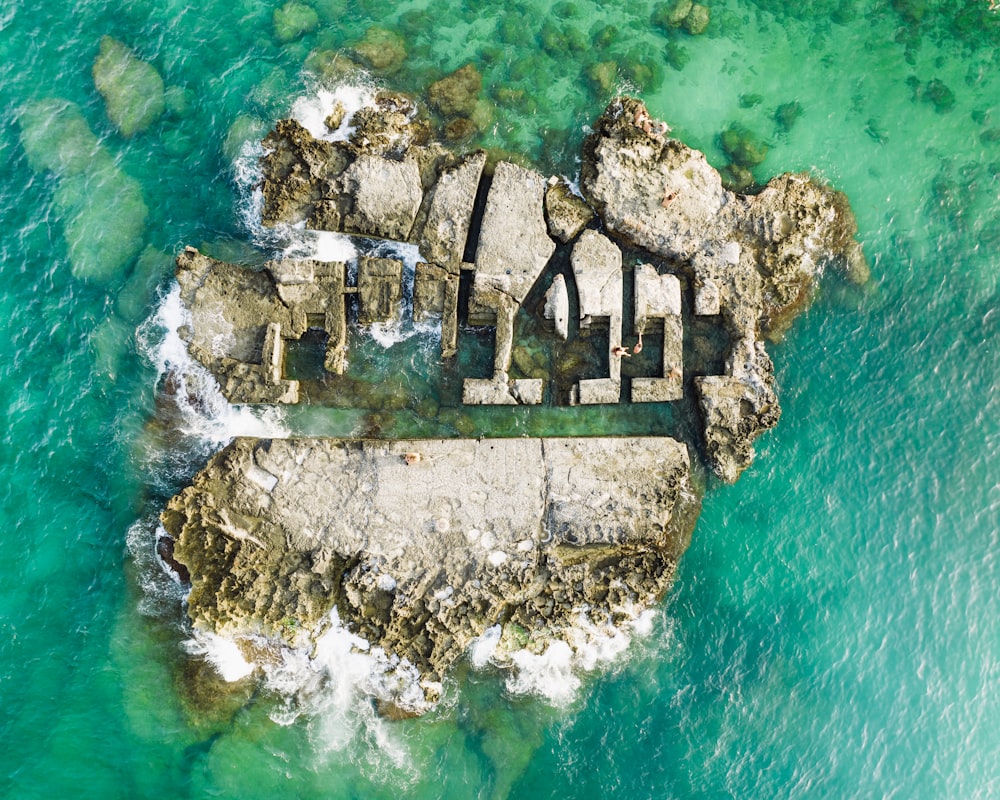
x=429, y=547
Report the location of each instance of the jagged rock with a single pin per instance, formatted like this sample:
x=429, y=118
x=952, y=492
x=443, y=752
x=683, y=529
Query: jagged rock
x=270, y=534
x=296, y=170
x=566, y=213
x=697, y=19
x=672, y=13
x=456, y=95
x=131, y=88
x=654, y=192
x=735, y=414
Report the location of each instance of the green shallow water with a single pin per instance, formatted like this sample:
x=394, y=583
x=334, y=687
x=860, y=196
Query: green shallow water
x=832, y=632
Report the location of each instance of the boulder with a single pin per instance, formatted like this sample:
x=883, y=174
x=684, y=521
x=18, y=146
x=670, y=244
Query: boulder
x=132, y=89
x=444, y=230
x=293, y=20
x=380, y=49
x=566, y=213
x=456, y=95
x=384, y=196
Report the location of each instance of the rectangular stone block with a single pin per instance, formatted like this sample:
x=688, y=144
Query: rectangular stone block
x=380, y=289
x=656, y=390
x=598, y=391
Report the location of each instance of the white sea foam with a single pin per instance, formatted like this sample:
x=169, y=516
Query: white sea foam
x=554, y=674
x=313, y=109
x=330, y=686
x=162, y=592
x=204, y=412
x=222, y=653
x=482, y=649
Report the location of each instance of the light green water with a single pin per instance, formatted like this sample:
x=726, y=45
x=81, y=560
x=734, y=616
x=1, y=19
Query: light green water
x=832, y=632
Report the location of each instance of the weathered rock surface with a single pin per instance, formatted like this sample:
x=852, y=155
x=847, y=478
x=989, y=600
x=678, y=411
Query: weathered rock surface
x=444, y=233
x=241, y=318
x=566, y=213
x=753, y=260
x=422, y=554
x=514, y=245
x=385, y=196
x=457, y=94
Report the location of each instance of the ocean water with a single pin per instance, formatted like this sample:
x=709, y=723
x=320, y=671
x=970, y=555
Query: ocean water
x=833, y=629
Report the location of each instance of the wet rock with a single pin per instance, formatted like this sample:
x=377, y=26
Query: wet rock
x=677, y=55
x=456, y=94
x=382, y=50
x=743, y=146
x=567, y=214
x=672, y=13
x=937, y=93
x=380, y=289
x=697, y=19
x=603, y=76
x=460, y=129
x=293, y=20
x=787, y=114
x=297, y=170
x=131, y=88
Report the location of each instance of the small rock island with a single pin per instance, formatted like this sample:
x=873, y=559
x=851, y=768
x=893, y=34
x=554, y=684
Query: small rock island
x=426, y=547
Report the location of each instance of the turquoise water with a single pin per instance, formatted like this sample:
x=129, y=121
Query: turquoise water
x=833, y=630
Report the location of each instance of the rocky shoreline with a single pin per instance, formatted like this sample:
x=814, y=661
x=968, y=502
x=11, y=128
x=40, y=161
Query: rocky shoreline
x=422, y=546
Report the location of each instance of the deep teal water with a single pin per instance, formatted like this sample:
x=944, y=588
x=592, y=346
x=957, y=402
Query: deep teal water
x=833, y=631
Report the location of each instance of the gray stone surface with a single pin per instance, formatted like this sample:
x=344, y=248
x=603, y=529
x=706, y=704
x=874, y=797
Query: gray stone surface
x=380, y=290
x=557, y=306
x=422, y=554
x=655, y=296
x=597, y=270
x=650, y=190
x=443, y=235
x=514, y=245
x=385, y=197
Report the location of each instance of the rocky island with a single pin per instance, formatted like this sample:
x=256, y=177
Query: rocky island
x=426, y=547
